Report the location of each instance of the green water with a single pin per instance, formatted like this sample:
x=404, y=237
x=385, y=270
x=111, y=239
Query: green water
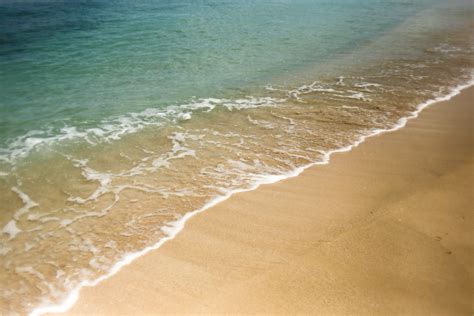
x=120, y=118
x=75, y=64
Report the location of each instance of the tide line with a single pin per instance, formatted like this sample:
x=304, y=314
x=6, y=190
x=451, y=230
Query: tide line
x=172, y=229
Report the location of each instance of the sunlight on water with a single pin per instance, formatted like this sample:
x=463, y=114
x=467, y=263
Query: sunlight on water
x=119, y=118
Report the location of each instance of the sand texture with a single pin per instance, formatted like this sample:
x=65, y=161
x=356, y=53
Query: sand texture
x=385, y=229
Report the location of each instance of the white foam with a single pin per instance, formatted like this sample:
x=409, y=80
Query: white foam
x=252, y=103
x=4, y=250
x=261, y=123
x=340, y=81
x=115, y=128
x=174, y=227
x=354, y=95
x=27, y=201
x=350, y=107
x=28, y=247
x=104, y=180
x=446, y=48
x=11, y=229
x=306, y=89
x=366, y=85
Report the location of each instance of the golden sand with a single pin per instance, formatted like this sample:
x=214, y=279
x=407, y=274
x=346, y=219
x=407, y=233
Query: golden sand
x=383, y=229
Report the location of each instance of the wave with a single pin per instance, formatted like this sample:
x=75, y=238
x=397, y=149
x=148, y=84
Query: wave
x=172, y=228
x=113, y=129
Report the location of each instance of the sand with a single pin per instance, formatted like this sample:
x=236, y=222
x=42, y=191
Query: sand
x=384, y=229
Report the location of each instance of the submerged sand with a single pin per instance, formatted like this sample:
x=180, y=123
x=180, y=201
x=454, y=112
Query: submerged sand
x=383, y=229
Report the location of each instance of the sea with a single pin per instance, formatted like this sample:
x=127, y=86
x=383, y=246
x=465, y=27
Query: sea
x=121, y=119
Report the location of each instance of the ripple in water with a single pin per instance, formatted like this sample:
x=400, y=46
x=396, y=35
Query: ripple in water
x=77, y=200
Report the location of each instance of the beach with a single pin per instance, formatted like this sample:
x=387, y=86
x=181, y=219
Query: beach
x=236, y=157
x=385, y=228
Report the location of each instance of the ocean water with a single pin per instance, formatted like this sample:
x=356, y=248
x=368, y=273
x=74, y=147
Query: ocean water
x=118, y=118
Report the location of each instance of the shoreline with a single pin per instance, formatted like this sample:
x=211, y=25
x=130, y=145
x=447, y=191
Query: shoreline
x=176, y=227
x=97, y=173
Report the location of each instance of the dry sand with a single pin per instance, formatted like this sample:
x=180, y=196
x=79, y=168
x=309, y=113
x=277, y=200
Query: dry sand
x=384, y=229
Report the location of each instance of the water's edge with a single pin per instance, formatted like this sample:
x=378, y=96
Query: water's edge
x=173, y=228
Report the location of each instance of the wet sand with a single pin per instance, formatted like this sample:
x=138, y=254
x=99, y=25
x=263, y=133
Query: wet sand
x=383, y=229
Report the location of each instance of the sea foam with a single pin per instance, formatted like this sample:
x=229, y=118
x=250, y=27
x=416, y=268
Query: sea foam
x=171, y=229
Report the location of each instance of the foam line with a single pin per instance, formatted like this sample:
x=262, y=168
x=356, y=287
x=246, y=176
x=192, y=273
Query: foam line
x=173, y=228
x=116, y=127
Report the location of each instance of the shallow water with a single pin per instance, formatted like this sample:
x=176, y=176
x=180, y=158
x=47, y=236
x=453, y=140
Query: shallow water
x=118, y=118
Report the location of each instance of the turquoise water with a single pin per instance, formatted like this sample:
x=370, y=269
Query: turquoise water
x=77, y=63
x=118, y=119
